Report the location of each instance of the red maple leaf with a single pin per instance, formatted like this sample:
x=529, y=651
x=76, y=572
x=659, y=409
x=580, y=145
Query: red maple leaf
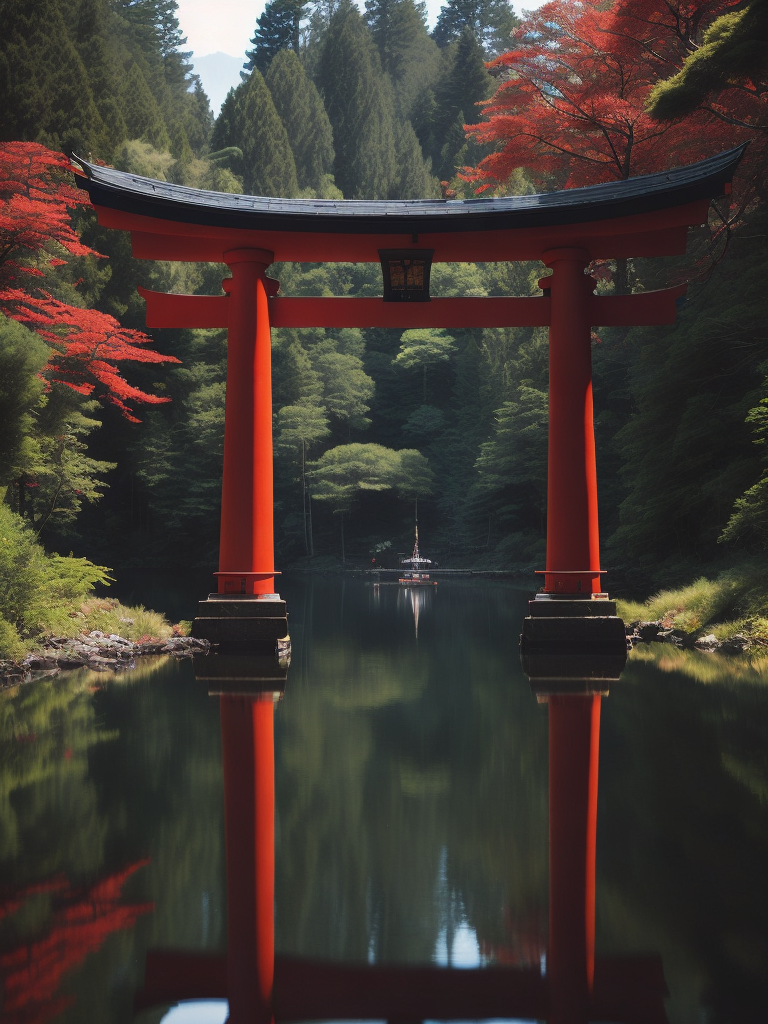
x=35, y=202
x=572, y=103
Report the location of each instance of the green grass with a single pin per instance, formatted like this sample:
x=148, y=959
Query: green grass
x=43, y=595
x=735, y=601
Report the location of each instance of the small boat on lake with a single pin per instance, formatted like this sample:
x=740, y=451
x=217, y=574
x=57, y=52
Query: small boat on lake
x=413, y=568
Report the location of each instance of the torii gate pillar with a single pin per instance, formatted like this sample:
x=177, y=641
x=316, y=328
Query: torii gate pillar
x=573, y=543
x=245, y=611
x=572, y=630
x=246, y=548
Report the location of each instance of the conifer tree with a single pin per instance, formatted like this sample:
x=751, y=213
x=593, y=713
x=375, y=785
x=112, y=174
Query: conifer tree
x=408, y=53
x=223, y=134
x=268, y=165
x=103, y=68
x=46, y=92
x=141, y=112
x=394, y=26
x=465, y=83
x=491, y=21
x=277, y=28
x=301, y=110
x=359, y=101
x=414, y=180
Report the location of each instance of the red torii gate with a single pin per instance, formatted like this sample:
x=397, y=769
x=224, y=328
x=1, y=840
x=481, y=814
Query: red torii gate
x=640, y=217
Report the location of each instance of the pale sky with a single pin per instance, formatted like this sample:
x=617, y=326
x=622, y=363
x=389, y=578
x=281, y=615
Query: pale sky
x=228, y=25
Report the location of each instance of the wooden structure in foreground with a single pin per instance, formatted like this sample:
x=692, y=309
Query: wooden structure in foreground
x=642, y=217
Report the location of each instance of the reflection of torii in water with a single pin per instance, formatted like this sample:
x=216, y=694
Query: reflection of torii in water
x=263, y=988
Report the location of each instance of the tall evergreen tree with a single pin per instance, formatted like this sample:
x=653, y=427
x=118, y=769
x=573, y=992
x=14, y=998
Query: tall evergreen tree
x=277, y=28
x=491, y=21
x=359, y=101
x=408, y=53
x=268, y=165
x=301, y=110
x=464, y=83
x=141, y=112
x=46, y=93
x=91, y=37
x=414, y=180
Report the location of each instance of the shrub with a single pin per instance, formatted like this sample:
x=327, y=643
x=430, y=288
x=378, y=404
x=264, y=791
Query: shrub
x=38, y=592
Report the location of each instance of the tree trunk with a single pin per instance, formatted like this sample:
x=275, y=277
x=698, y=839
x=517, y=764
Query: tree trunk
x=343, y=552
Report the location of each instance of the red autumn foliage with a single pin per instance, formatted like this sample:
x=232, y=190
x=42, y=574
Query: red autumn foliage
x=35, y=233
x=572, y=103
x=31, y=973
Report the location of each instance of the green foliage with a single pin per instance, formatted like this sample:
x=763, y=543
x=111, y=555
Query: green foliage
x=86, y=75
x=301, y=110
x=686, y=452
x=733, y=49
x=253, y=125
x=277, y=30
x=490, y=22
x=342, y=473
x=423, y=348
x=141, y=112
x=347, y=388
x=463, y=83
x=46, y=94
x=359, y=103
x=736, y=600
x=38, y=592
x=512, y=471
x=22, y=355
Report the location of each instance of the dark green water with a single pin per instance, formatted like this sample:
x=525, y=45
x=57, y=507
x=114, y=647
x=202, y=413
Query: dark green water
x=411, y=825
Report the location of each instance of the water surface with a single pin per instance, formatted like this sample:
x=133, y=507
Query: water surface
x=411, y=816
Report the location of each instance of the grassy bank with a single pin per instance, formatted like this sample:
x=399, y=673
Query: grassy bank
x=43, y=595
x=733, y=602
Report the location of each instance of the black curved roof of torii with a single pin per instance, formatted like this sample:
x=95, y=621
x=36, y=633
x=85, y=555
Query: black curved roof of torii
x=133, y=194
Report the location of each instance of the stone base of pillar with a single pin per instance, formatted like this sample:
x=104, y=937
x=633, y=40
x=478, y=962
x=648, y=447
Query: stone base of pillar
x=572, y=645
x=243, y=623
x=247, y=675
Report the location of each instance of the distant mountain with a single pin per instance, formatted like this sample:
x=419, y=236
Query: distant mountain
x=219, y=72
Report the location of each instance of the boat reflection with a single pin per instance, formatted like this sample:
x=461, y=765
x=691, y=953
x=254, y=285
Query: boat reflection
x=415, y=599
x=567, y=986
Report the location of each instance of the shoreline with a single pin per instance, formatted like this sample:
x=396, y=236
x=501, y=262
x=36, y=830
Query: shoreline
x=96, y=651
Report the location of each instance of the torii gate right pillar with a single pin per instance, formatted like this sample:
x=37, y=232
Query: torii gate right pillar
x=572, y=634
x=573, y=543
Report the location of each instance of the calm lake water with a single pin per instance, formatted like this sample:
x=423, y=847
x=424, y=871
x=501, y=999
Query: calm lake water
x=411, y=814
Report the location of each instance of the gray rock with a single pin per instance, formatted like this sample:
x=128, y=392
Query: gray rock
x=648, y=630
x=707, y=643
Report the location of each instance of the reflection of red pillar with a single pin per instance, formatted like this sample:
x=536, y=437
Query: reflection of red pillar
x=247, y=543
x=572, y=531
x=247, y=733
x=574, y=734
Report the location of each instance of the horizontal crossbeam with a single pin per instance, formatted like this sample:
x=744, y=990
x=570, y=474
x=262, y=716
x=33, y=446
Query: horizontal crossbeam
x=630, y=989
x=640, y=310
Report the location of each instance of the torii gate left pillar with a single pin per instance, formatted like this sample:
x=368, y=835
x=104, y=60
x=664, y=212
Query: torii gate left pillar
x=245, y=610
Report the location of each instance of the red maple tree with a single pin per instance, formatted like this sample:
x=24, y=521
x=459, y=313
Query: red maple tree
x=572, y=105
x=36, y=234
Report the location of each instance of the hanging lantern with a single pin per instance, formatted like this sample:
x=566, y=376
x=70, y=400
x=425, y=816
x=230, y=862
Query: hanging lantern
x=406, y=274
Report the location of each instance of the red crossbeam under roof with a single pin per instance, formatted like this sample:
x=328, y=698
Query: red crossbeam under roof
x=643, y=216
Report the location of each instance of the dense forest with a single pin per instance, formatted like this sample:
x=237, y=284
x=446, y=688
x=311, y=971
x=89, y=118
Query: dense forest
x=111, y=440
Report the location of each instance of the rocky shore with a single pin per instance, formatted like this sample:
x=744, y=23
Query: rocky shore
x=657, y=632
x=96, y=651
